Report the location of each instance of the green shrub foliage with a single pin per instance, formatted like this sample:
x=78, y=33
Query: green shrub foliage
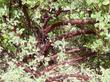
x=54, y=40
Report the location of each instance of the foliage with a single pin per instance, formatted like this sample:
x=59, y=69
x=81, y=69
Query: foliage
x=49, y=40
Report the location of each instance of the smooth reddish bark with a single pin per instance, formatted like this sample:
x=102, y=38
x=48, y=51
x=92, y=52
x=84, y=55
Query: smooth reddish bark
x=72, y=22
x=75, y=33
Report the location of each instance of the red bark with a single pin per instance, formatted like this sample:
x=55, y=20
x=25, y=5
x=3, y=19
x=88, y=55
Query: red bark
x=79, y=76
x=72, y=22
x=72, y=50
x=49, y=68
x=75, y=33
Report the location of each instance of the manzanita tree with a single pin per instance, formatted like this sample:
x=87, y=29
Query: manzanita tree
x=42, y=36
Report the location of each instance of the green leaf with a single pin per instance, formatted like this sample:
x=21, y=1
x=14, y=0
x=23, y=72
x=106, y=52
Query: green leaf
x=106, y=2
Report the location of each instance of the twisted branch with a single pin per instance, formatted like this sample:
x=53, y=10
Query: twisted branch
x=72, y=22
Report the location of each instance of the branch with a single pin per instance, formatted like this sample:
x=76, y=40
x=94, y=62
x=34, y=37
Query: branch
x=45, y=49
x=75, y=33
x=73, y=50
x=32, y=26
x=49, y=68
x=59, y=77
x=10, y=8
x=28, y=70
x=58, y=12
x=27, y=19
x=69, y=61
x=46, y=16
x=72, y=22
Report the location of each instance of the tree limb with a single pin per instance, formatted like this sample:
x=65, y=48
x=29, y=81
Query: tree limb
x=75, y=33
x=72, y=22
